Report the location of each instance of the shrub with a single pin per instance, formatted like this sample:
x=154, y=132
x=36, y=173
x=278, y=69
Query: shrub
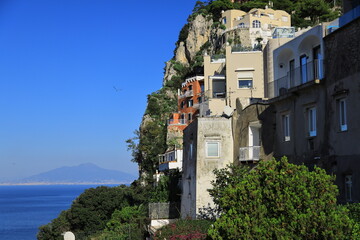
x=279, y=200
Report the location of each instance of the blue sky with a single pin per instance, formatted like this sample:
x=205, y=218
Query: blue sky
x=74, y=76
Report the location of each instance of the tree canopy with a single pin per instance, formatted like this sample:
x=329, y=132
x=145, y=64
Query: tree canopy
x=279, y=200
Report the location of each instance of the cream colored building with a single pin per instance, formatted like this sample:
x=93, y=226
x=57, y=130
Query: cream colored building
x=257, y=23
x=256, y=18
x=235, y=75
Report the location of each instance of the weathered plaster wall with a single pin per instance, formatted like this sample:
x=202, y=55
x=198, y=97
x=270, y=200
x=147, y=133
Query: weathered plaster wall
x=198, y=168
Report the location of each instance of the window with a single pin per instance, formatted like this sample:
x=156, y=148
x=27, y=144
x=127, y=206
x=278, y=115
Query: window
x=311, y=112
x=182, y=104
x=292, y=72
x=199, y=99
x=303, y=68
x=219, y=88
x=245, y=83
x=190, y=87
x=348, y=188
x=212, y=149
x=286, y=127
x=189, y=117
x=190, y=103
x=317, y=65
x=242, y=25
x=224, y=20
x=256, y=24
x=342, y=115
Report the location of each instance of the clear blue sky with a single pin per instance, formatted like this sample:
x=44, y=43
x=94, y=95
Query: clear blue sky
x=60, y=62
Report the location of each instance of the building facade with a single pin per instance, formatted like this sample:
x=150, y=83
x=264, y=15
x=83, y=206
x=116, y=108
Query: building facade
x=207, y=146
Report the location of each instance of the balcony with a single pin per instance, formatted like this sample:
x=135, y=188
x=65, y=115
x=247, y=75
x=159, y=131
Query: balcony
x=188, y=93
x=306, y=73
x=177, y=122
x=251, y=153
x=170, y=160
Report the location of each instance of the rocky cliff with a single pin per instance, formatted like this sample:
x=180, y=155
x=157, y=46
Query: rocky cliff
x=201, y=37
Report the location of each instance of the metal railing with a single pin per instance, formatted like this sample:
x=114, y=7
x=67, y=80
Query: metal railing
x=240, y=48
x=298, y=76
x=251, y=153
x=188, y=93
x=217, y=57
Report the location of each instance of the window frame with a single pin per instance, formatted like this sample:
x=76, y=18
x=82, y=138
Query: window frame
x=256, y=24
x=342, y=113
x=207, y=143
x=312, y=121
x=285, y=119
x=348, y=187
x=190, y=103
x=245, y=79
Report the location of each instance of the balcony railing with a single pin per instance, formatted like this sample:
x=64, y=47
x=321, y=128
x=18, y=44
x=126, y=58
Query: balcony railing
x=189, y=93
x=177, y=121
x=251, y=153
x=218, y=57
x=300, y=75
x=240, y=48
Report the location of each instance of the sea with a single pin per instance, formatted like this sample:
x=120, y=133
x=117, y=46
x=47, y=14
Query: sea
x=23, y=209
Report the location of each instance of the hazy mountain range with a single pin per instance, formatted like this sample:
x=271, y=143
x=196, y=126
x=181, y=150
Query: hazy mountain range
x=87, y=173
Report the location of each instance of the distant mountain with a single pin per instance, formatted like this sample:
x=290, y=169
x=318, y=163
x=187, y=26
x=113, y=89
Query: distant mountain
x=84, y=173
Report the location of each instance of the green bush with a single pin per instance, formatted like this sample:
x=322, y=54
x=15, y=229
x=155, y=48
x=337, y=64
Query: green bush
x=279, y=200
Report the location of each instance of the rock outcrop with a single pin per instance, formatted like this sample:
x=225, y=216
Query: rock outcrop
x=199, y=32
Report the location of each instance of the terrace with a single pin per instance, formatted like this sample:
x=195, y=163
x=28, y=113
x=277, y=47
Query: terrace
x=308, y=72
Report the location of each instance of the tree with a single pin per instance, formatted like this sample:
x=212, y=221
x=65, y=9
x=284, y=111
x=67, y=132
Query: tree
x=315, y=10
x=55, y=228
x=216, y=7
x=279, y=200
x=127, y=223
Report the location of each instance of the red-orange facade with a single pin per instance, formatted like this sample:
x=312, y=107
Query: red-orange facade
x=189, y=100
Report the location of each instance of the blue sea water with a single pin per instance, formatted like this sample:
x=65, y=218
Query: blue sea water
x=23, y=209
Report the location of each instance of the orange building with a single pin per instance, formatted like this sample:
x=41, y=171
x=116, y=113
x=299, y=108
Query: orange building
x=189, y=98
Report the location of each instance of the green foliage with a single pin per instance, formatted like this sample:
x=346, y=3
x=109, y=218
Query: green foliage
x=91, y=211
x=127, y=223
x=216, y=7
x=167, y=189
x=279, y=200
x=54, y=229
x=150, y=140
x=183, y=33
x=184, y=229
x=354, y=214
x=316, y=10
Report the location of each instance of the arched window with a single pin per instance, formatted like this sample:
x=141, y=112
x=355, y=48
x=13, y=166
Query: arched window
x=256, y=24
x=242, y=25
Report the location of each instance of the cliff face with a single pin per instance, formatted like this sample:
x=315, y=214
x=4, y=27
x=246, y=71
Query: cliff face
x=200, y=32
